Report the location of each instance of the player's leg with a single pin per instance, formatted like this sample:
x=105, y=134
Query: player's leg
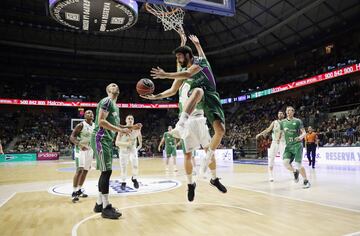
x=96, y=147
x=188, y=170
x=105, y=151
x=273, y=150
x=123, y=160
x=167, y=159
x=134, y=159
x=88, y=155
x=173, y=155
x=193, y=162
x=79, y=164
x=288, y=157
x=200, y=128
x=308, y=153
x=298, y=155
x=313, y=155
x=190, y=104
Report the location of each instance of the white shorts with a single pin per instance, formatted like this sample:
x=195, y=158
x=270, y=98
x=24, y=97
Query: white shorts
x=197, y=134
x=274, y=149
x=128, y=153
x=83, y=159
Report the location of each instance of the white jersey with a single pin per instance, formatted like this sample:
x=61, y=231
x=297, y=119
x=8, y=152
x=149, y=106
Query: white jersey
x=85, y=134
x=277, y=131
x=130, y=138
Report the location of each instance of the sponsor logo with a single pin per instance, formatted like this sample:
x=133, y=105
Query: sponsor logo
x=146, y=186
x=9, y=157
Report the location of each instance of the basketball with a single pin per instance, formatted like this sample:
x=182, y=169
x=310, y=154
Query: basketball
x=145, y=87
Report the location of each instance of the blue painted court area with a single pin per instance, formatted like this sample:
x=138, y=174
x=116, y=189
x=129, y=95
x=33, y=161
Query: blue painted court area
x=252, y=162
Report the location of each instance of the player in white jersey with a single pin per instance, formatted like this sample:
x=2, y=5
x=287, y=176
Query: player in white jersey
x=128, y=149
x=277, y=144
x=83, y=153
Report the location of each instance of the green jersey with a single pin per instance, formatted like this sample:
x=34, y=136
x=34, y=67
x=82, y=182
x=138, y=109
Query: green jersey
x=291, y=130
x=205, y=78
x=108, y=105
x=169, y=140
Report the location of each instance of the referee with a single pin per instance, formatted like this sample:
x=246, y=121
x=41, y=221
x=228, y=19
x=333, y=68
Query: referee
x=311, y=141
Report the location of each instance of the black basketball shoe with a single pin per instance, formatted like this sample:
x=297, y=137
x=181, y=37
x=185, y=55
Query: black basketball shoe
x=123, y=186
x=216, y=183
x=74, y=197
x=81, y=193
x=98, y=208
x=136, y=183
x=110, y=213
x=191, y=192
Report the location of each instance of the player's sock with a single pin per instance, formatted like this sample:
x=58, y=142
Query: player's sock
x=213, y=174
x=99, y=199
x=74, y=189
x=189, y=178
x=105, y=199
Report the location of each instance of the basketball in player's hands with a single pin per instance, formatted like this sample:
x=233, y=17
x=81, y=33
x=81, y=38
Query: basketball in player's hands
x=145, y=87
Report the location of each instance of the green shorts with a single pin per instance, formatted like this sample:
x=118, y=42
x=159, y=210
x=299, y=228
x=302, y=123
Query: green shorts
x=170, y=151
x=212, y=107
x=293, y=152
x=103, y=152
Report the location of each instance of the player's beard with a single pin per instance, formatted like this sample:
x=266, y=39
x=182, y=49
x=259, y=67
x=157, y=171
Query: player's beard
x=184, y=63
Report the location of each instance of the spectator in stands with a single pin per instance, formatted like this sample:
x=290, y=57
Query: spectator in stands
x=357, y=143
x=330, y=143
x=1, y=149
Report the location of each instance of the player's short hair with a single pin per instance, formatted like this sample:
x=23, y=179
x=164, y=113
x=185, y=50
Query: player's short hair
x=290, y=107
x=129, y=115
x=184, y=50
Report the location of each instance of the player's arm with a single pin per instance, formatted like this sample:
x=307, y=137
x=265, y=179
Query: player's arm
x=120, y=143
x=103, y=123
x=75, y=133
x=178, y=143
x=167, y=93
x=134, y=127
x=158, y=73
x=139, y=137
x=197, y=44
x=266, y=131
x=161, y=143
x=302, y=135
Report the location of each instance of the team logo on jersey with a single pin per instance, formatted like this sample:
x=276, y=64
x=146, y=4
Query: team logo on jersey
x=146, y=186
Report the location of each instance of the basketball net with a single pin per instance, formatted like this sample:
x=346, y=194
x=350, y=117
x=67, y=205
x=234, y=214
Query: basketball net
x=172, y=18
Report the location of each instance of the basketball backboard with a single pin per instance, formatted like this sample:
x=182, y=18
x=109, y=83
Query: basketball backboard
x=218, y=7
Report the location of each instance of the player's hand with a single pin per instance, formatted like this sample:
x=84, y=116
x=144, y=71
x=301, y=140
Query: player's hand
x=158, y=73
x=194, y=39
x=159, y=149
x=297, y=139
x=137, y=126
x=182, y=36
x=1, y=153
x=83, y=148
x=150, y=97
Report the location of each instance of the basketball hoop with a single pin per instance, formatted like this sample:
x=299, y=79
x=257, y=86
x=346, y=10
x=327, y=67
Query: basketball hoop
x=172, y=18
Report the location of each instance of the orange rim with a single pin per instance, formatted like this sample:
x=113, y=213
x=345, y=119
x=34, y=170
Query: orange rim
x=150, y=9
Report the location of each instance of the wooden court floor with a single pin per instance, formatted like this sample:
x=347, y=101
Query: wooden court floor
x=29, y=209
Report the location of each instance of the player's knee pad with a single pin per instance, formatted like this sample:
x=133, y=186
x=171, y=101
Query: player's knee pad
x=297, y=165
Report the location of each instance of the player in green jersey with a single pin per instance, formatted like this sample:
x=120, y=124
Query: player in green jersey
x=196, y=84
x=170, y=148
x=294, y=134
x=107, y=123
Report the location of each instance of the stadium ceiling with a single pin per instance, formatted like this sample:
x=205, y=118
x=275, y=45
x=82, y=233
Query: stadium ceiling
x=259, y=28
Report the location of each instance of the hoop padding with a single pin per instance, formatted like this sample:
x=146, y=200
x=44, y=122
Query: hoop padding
x=172, y=18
